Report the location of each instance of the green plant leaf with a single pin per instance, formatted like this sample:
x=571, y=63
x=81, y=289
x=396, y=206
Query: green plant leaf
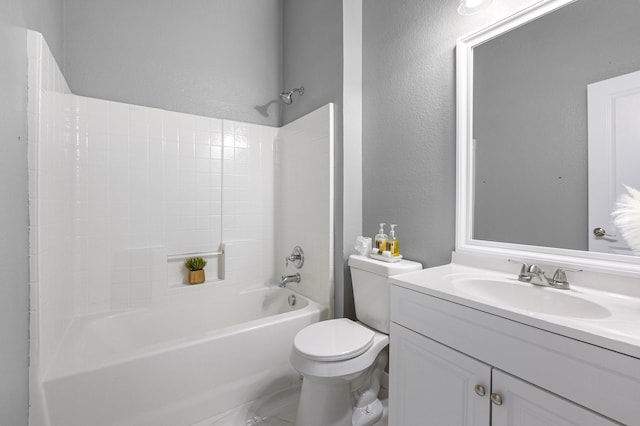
x=195, y=263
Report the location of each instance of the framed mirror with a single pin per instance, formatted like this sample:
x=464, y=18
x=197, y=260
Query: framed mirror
x=535, y=163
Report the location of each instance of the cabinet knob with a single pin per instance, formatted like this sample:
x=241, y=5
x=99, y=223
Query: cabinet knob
x=496, y=399
x=480, y=390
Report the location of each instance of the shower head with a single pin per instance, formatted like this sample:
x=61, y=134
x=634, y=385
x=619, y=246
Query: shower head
x=287, y=96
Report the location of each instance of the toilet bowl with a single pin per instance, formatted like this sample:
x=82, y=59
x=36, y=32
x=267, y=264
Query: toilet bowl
x=342, y=361
x=337, y=359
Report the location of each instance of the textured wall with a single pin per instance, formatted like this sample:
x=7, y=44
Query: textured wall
x=409, y=120
x=14, y=290
x=47, y=17
x=312, y=46
x=218, y=58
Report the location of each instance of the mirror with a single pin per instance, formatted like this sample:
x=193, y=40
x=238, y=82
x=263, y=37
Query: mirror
x=525, y=93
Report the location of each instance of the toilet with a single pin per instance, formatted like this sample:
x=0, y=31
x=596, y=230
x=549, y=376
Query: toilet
x=342, y=361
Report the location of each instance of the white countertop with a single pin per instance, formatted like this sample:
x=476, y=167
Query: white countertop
x=618, y=331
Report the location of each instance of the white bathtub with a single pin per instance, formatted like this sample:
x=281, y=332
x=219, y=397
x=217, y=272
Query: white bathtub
x=176, y=366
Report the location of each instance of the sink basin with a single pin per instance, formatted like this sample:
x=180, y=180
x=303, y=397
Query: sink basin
x=530, y=298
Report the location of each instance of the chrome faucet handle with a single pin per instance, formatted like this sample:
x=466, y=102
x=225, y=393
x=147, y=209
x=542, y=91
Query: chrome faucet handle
x=524, y=271
x=296, y=257
x=559, y=279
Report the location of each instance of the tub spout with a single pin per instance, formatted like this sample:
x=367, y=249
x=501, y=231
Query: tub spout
x=289, y=279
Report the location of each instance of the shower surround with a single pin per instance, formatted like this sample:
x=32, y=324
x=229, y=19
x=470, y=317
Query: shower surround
x=118, y=192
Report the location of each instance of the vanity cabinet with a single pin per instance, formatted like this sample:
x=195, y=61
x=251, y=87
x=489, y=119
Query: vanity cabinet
x=433, y=384
x=523, y=404
x=453, y=365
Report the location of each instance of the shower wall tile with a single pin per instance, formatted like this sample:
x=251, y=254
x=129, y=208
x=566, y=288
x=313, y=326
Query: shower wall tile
x=304, y=201
x=247, y=192
x=116, y=188
x=52, y=174
x=153, y=178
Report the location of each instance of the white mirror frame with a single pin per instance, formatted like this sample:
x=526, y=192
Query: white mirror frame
x=592, y=261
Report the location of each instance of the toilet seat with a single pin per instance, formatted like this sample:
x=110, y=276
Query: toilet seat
x=333, y=340
x=343, y=369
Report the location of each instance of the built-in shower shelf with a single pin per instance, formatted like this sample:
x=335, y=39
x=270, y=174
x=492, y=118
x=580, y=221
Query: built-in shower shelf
x=189, y=255
x=177, y=274
x=184, y=285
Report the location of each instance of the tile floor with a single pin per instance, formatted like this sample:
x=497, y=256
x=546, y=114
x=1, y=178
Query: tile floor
x=278, y=409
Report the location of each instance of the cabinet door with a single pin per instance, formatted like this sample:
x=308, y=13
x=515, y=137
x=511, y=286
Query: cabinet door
x=524, y=404
x=434, y=385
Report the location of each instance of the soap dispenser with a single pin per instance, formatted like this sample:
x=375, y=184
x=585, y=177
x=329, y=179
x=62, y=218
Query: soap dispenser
x=393, y=244
x=381, y=239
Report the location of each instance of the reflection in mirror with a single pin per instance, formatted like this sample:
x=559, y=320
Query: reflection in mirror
x=540, y=157
x=530, y=125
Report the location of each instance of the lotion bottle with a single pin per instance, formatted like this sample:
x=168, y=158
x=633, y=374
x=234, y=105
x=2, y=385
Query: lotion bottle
x=393, y=244
x=381, y=239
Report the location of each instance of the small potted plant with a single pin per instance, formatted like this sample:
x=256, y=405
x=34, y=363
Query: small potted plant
x=195, y=265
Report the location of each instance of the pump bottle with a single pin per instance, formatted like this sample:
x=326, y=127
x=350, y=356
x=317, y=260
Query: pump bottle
x=381, y=239
x=393, y=244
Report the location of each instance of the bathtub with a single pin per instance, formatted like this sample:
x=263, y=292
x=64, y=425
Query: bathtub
x=174, y=366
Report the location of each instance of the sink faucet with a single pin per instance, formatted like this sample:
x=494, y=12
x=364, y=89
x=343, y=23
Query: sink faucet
x=289, y=279
x=535, y=275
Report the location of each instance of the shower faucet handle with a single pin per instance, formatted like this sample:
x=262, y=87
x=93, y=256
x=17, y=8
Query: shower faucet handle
x=296, y=257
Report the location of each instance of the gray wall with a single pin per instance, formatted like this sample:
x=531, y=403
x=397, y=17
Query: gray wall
x=217, y=58
x=14, y=278
x=47, y=17
x=409, y=124
x=530, y=120
x=409, y=120
x=312, y=56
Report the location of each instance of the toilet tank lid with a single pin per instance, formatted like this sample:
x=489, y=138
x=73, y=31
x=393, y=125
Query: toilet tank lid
x=385, y=269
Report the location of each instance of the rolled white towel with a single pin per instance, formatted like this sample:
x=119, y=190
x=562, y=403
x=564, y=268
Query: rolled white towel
x=626, y=217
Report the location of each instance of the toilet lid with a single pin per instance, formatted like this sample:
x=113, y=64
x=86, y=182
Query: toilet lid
x=333, y=340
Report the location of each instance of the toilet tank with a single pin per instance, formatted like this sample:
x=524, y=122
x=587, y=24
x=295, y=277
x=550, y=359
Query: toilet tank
x=371, y=289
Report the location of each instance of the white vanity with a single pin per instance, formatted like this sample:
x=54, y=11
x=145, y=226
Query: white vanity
x=470, y=343
x=465, y=356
